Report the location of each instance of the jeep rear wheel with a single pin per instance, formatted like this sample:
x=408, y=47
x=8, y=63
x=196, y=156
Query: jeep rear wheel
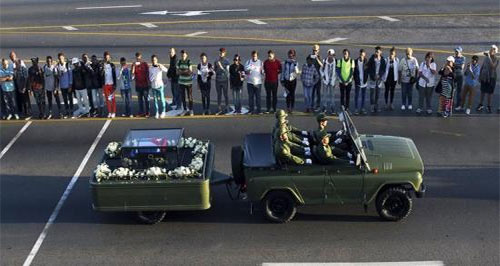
x=394, y=204
x=237, y=164
x=152, y=217
x=279, y=207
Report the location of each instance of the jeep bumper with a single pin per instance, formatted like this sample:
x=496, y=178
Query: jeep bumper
x=421, y=192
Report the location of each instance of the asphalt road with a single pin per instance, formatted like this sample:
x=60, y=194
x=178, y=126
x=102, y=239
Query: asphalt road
x=456, y=223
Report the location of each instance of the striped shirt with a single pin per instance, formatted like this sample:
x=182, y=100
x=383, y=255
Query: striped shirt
x=184, y=79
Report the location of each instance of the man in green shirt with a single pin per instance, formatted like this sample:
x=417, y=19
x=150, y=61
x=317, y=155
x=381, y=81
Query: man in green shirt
x=185, y=72
x=324, y=152
x=345, y=71
x=339, y=145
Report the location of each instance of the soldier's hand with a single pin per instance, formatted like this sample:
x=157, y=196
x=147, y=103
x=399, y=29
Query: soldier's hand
x=308, y=153
x=305, y=133
x=309, y=161
x=307, y=149
x=305, y=142
x=349, y=155
x=339, y=133
x=351, y=162
x=338, y=141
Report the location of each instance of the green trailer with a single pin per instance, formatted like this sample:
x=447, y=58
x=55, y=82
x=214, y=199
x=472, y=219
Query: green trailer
x=152, y=197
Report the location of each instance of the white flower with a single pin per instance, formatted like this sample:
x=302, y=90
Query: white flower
x=102, y=172
x=113, y=149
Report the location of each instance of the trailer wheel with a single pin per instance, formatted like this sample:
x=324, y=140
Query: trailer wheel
x=237, y=164
x=279, y=207
x=394, y=204
x=152, y=217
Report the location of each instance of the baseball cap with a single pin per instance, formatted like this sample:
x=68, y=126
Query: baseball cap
x=459, y=49
x=222, y=49
x=450, y=59
x=75, y=60
x=494, y=47
x=331, y=51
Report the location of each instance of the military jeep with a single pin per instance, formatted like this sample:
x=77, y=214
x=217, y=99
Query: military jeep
x=388, y=171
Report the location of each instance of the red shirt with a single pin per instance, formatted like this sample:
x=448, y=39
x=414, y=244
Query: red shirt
x=141, y=75
x=272, y=70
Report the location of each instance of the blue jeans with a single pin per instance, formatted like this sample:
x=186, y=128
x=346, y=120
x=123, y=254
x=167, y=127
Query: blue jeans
x=357, y=95
x=254, y=97
x=159, y=96
x=176, y=100
x=406, y=93
x=236, y=98
x=126, y=99
x=308, y=96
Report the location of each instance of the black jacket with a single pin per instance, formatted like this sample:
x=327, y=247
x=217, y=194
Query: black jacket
x=172, y=69
x=102, y=74
x=234, y=75
x=357, y=79
x=79, y=78
x=371, y=67
x=94, y=75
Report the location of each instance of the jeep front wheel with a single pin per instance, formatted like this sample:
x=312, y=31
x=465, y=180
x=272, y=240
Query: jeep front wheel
x=279, y=207
x=394, y=204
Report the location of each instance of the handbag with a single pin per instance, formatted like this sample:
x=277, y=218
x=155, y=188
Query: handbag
x=439, y=86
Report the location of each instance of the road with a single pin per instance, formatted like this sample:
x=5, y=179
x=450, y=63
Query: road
x=456, y=223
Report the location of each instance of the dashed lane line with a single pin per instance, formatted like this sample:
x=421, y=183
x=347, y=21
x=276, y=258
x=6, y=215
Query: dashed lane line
x=258, y=22
x=333, y=40
x=396, y=263
x=149, y=25
x=106, y=7
x=55, y=213
x=6, y=148
x=208, y=37
x=195, y=33
x=204, y=21
x=391, y=19
x=447, y=133
x=69, y=28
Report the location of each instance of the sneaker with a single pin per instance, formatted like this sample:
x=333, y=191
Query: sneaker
x=458, y=108
x=191, y=113
x=157, y=116
x=446, y=114
x=48, y=117
x=27, y=118
x=113, y=115
x=123, y=115
x=480, y=108
x=9, y=117
x=429, y=111
x=131, y=116
x=363, y=111
x=467, y=111
x=73, y=117
x=163, y=115
x=410, y=107
x=109, y=115
x=356, y=112
x=403, y=107
x=372, y=109
x=419, y=111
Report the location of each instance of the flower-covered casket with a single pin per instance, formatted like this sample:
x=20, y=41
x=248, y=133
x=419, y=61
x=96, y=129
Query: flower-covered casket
x=154, y=169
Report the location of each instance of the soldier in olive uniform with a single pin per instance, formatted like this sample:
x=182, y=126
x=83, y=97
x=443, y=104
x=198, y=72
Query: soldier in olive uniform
x=283, y=151
x=294, y=134
x=339, y=145
x=324, y=152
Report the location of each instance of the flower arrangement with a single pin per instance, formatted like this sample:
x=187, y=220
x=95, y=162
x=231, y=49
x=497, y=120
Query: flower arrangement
x=113, y=149
x=192, y=170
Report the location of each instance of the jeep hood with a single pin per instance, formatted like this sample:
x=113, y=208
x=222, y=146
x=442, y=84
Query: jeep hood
x=392, y=154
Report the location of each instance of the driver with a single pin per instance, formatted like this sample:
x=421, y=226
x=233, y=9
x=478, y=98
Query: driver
x=339, y=145
x=283, y=150
x=324, y=153
x=293, y=132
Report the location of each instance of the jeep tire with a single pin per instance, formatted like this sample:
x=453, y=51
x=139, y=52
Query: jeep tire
x=237, y=164
x=394, y=204
x=279, y=206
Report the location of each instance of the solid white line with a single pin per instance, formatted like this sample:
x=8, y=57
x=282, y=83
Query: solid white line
x=4, y=151
x=104, y=7
x=64, y=196
x=69, y=28
x=333, y=40
x=322, y=0
x=195, y=33
x=209, y=11
x=389, y=18
x=399, y=263
x=256, y=21
x=149, y=25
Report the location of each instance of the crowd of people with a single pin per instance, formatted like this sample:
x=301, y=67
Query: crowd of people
x=94, y=83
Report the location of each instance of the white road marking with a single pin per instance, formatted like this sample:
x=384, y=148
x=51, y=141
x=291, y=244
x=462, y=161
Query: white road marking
x=196, y=33
x=333, y=40
x=106, y=7
x=190, y=13
x=399, y=263
x=6, y=148
x=481, y=53
x=323, y=0
x=64, y=196
x=389, y=18
x=256, y=21
x=149, y=25
x=69, y=28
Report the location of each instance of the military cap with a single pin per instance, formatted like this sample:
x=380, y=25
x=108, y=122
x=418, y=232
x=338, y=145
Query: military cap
x=321, y=117
x=281, y=113
x=323, y=134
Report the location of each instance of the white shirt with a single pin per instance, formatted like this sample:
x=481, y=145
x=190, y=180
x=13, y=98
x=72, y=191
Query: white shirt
x=254, y=70
x=426, y=72
x=108, y=75
x=328, y=72
x=156, y=76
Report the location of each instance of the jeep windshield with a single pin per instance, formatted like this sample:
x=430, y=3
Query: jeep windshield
x=353, y=133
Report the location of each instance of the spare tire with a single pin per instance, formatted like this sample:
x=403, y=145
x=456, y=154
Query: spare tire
x=237, y=165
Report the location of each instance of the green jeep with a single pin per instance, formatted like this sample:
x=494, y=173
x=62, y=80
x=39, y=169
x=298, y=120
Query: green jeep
x=388, y=170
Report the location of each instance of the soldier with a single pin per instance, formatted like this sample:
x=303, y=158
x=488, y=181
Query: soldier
x=323, y=151
x=283, y=151
x=293, y=134
x=339, y=145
